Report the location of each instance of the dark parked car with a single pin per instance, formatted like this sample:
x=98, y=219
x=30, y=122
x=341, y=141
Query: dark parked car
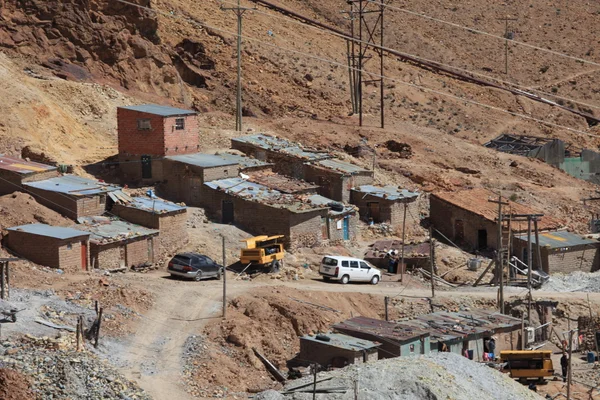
x=195, y=266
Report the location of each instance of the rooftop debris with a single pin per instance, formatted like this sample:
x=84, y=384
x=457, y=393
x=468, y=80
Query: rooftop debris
x=105, y=230
x=153, y=205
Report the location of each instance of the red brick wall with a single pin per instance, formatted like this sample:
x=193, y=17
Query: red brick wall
x=47, y=251
x=163, y=139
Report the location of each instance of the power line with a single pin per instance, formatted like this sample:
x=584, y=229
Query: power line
x=333, y=62
x=356, y=40
x=473, y=30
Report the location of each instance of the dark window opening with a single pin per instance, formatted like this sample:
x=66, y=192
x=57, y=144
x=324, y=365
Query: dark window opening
x=143, y=124
x=482, y=239
x=179, y=124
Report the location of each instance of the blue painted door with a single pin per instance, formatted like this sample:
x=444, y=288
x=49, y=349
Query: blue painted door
x=346, y=229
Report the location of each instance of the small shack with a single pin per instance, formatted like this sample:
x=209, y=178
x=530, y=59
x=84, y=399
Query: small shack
x=561, y=252
x=115, y=243
x=468, y=218
x=16, y=171
x=264, y=211
x=288, y=158
x=336, y=350
x=396, y=340
x=342, y=222
x=336, y=178
x=385, y=204
x=52, y=246
x=186, y=174
x=168, y=218
x=72, y=196
x=416, y=255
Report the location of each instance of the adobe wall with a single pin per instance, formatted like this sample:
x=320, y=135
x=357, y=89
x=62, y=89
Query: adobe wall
x=47, y=251
x=130, y=167
x=11, y=181
x=107, y=256
x=59, y=202
x=140, y=251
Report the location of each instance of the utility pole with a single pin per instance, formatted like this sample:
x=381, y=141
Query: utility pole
x=385, y=302
x=507, y=36
x=224, y=279
x=402, y=248
x=239, y=12
x=499, y=271
x=529, y=265
x=431, y=259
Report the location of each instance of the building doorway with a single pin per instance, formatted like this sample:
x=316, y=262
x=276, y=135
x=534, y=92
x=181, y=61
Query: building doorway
x=373, y=209
x=346, y=228
x=227, y=212
x=84, y=255
x=146, y=167
x=482, y=239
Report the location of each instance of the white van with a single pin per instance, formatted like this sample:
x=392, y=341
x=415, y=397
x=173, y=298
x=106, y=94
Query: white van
x=346, y=269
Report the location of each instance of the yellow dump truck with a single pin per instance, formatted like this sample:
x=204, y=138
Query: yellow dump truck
x=528, y=364
x=265, y=251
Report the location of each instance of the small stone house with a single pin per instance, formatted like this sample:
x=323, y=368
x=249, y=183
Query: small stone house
x=386, y=205
x=115, y=243
x=186, y=174
x=149, y=132
x=338, y=351
x=395, y=340
x=264, y=211
x=288, y=158
x=336, y=178
x=52, y=246
x=16, y=171
x=561, y=252
x=469, y=219
x=71, y=196
x=168, y=218
x=342, y=221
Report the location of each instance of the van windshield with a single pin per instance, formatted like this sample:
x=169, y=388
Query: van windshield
x=330, y=261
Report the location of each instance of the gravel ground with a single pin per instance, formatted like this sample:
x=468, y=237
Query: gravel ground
x=574, y=282
x=434, y=377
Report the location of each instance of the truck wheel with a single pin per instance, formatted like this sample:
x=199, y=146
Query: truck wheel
x=375, y=280
x=275, y=266
x=345, y=279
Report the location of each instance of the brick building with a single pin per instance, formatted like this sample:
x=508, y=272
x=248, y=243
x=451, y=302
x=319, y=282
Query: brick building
x=168, y=218
x=52, y=246
x=186, y=174
x=149, y=132
x=264, y=211
x=288, y=158
x=340, y=350
x=16, y=171
x=115, y=243
x=467, y=217
x=70, y=195
x=342, y=221
x=386, y=205
x=561, y=252
x=336, y=178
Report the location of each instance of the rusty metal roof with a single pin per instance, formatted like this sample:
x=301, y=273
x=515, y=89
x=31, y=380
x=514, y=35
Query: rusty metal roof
x=383, y=329
x=476, y=202
x=283, y=183
x=23, y=167
x=380, y=248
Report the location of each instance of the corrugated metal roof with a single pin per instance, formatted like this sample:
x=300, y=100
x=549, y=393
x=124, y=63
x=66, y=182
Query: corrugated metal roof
x=322, y=201
x=560, y=239
x=73, y=185
x=106, y=230
x=386, y=192
x=202, y=160
x=163, y=111
x=380, y=328
x=157, y=206
x=244, y=161
x=341, y=166
x=57, y=232
x=23, y=167
x=282, y=146
x=517, y=144
x=476, y=201
x=342, y=341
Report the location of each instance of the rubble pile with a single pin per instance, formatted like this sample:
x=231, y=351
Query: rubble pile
x=66, y=374
x=577, y=281
x=439, y=376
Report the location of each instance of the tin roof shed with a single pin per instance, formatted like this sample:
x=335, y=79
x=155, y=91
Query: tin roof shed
x=561, y=239
x=73, y=185
x=56, y=232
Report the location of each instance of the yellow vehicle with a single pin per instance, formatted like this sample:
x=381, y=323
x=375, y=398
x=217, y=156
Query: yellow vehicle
x=265, y=251
x=528, y=364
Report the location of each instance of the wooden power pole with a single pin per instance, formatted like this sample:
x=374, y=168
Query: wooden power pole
x=224, y=278
x=499, y=270
x=507, y=37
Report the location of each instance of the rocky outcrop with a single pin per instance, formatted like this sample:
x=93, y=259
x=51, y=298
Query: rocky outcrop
x=99, y=40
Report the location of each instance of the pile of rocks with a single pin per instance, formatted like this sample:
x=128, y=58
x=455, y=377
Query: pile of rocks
x=577, y=281
x=58, y=373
